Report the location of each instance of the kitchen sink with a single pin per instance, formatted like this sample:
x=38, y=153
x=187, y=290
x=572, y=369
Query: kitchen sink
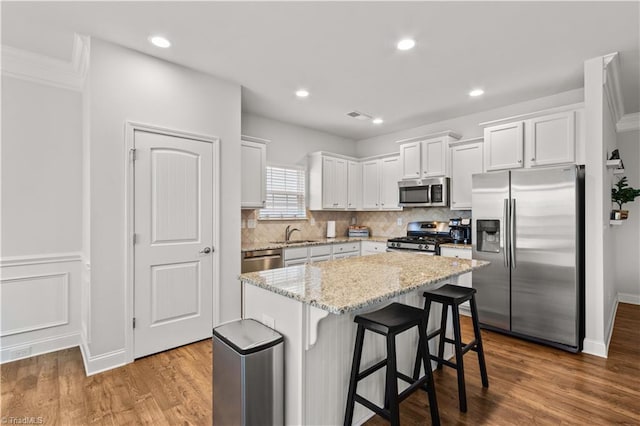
x=294, y=241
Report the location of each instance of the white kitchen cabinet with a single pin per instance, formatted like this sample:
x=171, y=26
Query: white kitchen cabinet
x=328, y=182
x=390, y=174
x=334, y=183
x=354, y=179
x=550, y=139
x=342, y=249
x=464, y=280
x=503, y=146
x=372, y=247
x=371, y=185
x=380, y=178
x=253, y=154
x=410, y=157
x=425, y=156
x=466, y=159
x=539, y=139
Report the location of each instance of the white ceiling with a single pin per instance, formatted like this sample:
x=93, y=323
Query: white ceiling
x=344, y=52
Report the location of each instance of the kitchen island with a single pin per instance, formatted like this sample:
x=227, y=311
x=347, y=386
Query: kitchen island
x=313, y=306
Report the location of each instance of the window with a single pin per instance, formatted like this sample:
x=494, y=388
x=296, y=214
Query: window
x=285, y=194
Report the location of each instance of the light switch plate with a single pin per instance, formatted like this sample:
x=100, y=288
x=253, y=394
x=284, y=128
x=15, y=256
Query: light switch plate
x=251, y=223
x=268, y=321
x=312, y=221
x=399, y=221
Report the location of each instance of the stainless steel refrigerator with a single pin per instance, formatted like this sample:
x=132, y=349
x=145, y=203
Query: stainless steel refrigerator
x=530, y=225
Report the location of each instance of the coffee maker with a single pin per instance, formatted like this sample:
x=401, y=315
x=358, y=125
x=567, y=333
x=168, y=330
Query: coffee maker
x=460, y=230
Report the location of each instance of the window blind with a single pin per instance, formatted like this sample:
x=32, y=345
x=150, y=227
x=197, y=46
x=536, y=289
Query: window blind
x=285, y=194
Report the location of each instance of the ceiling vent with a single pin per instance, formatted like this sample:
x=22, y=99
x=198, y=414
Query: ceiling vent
x=359, y=115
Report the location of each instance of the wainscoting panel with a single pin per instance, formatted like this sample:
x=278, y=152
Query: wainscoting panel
x=40, y=304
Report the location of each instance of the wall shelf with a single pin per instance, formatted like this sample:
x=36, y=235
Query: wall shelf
x=618, y=171
x=614, y=164
x=615, y=222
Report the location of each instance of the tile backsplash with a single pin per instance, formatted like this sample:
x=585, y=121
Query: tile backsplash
x=380, y=223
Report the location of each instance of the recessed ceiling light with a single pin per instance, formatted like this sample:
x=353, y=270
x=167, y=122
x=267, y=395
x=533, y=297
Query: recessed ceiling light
x=377, y=120
x=302, y=93
x=406, y=44
x=160, y=41
x=476, y=92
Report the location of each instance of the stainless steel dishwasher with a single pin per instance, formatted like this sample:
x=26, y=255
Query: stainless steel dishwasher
x=259, y=260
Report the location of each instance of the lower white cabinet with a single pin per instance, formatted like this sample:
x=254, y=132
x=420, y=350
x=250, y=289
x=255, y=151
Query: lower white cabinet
x=464, y=280
x=320, y=253
x=372, y=247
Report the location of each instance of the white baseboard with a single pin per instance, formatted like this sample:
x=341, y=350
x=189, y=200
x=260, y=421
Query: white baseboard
x=39, y=347
x=609, y=328
x=594, y=347
x=99, y=363
x=634, y=299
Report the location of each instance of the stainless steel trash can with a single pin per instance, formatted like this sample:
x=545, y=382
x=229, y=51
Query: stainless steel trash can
x=248, y=374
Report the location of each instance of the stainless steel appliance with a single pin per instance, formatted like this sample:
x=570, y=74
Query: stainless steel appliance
x=259, y=260
x=422, y=237
x=460, y=230
x=530, y=225
x=432, y=192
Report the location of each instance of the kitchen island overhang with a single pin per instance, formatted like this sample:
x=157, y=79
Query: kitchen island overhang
x=313, y=306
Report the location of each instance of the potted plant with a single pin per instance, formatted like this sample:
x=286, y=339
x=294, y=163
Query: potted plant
x=622, y=193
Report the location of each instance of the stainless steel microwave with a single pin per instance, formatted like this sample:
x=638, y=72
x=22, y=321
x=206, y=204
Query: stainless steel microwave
x=432, y=192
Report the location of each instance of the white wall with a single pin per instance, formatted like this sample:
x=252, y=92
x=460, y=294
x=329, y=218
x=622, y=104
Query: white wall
x=127, y=85
x=41, y=218
x=467, y=125
x=41, y=169
x=290, y=144
x=627, y=236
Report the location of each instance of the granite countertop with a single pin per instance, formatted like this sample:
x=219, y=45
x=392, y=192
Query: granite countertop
x=457, y=246
x=267, y=245
x=345, y=285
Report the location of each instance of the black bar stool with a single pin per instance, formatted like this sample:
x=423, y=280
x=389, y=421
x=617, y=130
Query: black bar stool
x=391, y=321
x=454, y=296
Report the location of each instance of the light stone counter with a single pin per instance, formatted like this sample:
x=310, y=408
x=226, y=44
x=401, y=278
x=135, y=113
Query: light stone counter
x=351, y=284
x=269, y=245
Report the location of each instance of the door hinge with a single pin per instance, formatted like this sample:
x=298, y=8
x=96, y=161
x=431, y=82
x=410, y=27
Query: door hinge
x=133, y=154
x=134, y=322
x=135, y=238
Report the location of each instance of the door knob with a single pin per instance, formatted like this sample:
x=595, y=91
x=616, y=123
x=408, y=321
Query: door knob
x=206, y=250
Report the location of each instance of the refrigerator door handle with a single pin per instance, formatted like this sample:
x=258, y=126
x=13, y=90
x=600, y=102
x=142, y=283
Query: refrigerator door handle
x=512, y=232
x=505, y=222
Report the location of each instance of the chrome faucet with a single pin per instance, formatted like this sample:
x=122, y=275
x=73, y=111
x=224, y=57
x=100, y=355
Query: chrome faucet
x=287, y=233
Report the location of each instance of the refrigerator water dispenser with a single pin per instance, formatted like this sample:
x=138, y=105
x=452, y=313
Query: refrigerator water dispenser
x=488, y=235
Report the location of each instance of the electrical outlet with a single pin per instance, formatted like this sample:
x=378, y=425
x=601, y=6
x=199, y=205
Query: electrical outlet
x=251, y=223
x=353, y=220
x=268, y=321
x=243, y=224
x=21, y=353
x=312, y=221
x=399, y=221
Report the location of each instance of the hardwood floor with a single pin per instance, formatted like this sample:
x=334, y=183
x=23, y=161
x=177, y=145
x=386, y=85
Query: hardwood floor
x=528, y=384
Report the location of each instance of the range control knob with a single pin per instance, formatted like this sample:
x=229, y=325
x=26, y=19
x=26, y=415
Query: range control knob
x=420, y=247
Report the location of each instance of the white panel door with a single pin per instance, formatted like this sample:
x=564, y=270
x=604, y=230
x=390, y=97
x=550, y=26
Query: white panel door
x=466, y=160
x=174, y=234
x=410, y=159
x=391, y=173
x=551, y=139
x=371, y=185
x=354, y=179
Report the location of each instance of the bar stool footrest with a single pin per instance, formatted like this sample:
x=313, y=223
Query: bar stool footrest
x=372, y=369
x=373, y=407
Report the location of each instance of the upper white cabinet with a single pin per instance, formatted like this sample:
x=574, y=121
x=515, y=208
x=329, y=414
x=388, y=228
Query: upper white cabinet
x=425, y=156
x=539, y=139
x=466, y=159
x=503, y=146
x=390, y=173
x=380, y=178
x=551, y=139
x=354, y=190
x=371, y=185
x=254, y=172
x=329, y=186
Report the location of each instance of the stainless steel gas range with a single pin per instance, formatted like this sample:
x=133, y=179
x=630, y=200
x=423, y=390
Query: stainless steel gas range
x=422, y=237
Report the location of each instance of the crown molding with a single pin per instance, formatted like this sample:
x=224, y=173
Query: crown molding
x=446, y=133
x=43, y=69
x=628, y=123
x=612, y=90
